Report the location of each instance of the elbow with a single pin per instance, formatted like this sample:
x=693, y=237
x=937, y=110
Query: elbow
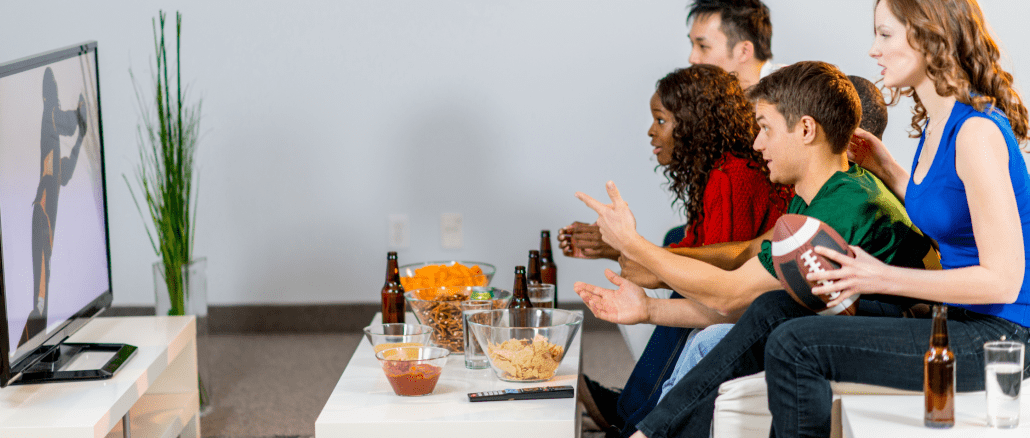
x=727, y=306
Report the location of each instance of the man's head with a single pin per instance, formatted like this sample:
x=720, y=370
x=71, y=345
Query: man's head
x=730, y=33
x=810, y=103
x=874, y=108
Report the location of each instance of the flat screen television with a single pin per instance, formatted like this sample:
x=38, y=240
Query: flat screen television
x=55, y=264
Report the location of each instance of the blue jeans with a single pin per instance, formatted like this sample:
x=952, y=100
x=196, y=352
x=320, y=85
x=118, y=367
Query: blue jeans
x=802, y=352
x=700, y=342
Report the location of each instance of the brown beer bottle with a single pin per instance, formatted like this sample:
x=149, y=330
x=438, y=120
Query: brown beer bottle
x=939, y=374
x=533, y=271
x=393, y=292
x=520, y=292
x=548, y=270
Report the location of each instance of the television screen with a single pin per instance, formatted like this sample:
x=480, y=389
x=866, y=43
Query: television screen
x=54, y=253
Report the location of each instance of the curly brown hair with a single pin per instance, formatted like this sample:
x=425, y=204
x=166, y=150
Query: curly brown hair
x=963, y=60
x=713, y=117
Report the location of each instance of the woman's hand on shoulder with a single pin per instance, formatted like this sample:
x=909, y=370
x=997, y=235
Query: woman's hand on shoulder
x=867, y=151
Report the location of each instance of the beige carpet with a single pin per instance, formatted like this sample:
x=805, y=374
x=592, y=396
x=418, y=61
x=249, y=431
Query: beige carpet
x=274, y=386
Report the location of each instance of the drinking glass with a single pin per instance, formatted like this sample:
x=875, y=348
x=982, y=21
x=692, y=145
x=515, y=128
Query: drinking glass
x=1003, y=371
x=475, y=359
x=541, y=295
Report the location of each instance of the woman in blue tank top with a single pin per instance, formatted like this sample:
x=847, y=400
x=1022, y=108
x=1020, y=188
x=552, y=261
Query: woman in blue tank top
x=968, y=189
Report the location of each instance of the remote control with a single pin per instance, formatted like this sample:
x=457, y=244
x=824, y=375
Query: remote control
x=523, y=394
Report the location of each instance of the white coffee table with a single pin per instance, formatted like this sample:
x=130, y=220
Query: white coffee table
x=363, y=404
x=875, y=416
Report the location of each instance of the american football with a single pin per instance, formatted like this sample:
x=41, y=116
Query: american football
x=794, y=240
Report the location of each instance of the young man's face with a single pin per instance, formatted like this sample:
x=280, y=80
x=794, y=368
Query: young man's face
x=781, y=148
x=709, y=44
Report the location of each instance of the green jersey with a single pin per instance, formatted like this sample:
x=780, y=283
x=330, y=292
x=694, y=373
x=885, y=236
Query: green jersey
x=866, y=214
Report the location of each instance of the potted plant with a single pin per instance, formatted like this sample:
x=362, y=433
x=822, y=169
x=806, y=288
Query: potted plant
x=167, y=136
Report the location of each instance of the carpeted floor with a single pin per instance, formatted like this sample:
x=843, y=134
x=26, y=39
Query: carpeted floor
x=274, y=386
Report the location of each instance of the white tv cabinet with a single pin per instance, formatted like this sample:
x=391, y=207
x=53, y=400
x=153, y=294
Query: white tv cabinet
x=157, y=387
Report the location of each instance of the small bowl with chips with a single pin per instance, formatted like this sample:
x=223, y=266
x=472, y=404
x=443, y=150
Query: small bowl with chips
x=383, y=336
x=446, y=273
x=413, y=371
x=525, y=345
x=440, y=308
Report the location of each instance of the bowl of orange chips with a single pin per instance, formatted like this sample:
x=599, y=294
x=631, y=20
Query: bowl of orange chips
x=446, y=273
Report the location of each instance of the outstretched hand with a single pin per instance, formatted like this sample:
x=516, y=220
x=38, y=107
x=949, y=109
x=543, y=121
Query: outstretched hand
x=627, y=305
x=615, y=220
x=863, y=274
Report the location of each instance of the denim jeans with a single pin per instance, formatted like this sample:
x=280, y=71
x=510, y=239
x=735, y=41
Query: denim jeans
x=805, y=351
x=699, y=343
x=802, y=356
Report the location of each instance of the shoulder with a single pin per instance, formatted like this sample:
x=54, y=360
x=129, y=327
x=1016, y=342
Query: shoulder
x=857, y=191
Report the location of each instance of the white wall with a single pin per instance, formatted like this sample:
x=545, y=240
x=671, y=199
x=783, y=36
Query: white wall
x=323, y=117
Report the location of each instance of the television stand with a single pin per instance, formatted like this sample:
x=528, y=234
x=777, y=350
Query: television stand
x=55, y=366
x=156, y=390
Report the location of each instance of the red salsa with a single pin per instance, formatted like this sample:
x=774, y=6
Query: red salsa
x=411, y=379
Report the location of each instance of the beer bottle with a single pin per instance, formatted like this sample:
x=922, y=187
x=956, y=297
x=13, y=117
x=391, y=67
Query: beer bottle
x=520, y=292
x=533, y=272
x=393, y=292
x=548, y=270
x=939, y=374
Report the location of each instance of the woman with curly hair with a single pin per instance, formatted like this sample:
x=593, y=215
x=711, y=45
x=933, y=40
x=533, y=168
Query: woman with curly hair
x=702, y=135
x=968, y=189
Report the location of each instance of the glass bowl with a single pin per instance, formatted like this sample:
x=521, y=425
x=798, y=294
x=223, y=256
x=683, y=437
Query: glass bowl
x=415, y=276
x=440, y=308
x=525, y=345
x=383, y=336
x=413, y=371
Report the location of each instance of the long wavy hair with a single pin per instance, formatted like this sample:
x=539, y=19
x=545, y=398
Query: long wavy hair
x=713, y=117
x=962, y=59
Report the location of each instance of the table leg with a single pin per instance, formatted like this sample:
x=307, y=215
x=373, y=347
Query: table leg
x=126, y=426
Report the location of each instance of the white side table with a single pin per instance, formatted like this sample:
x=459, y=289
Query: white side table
x=157, y=387
x=363, y=403
x=875, y=416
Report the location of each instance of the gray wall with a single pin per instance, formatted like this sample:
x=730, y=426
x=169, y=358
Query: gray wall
x=321, y=118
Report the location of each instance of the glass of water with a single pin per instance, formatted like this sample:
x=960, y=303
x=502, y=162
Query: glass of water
x=475, y=359
x=541, y=295
x=1003, y=363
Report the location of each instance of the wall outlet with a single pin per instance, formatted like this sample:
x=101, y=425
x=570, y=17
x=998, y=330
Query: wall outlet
x=397, y=234
x=450, y=231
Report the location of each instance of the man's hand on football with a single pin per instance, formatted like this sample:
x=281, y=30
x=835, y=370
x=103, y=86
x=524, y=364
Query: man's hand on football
x=859, y=275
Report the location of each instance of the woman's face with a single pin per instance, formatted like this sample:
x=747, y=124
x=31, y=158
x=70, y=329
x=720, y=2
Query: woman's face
x=661, y=131
x=903, y=65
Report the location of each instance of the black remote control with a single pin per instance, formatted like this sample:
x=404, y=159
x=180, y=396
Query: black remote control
x=523, y=394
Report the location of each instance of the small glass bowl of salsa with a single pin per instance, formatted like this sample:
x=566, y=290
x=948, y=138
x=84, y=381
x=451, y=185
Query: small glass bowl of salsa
x=413, y=371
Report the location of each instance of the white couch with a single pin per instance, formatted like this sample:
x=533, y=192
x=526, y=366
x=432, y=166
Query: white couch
x=741, y=409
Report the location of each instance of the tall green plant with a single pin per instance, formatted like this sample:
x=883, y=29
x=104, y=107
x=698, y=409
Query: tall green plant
x=167, y=138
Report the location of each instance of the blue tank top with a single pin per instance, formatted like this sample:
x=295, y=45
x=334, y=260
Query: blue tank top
x=938, y=206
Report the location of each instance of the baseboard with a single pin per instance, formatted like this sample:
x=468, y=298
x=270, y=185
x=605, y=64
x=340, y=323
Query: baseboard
x=308, y=318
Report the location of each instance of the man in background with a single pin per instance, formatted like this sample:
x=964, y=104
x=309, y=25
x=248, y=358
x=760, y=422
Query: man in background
x=733, y=34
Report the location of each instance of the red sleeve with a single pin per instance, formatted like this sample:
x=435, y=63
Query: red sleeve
x=740, y=203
